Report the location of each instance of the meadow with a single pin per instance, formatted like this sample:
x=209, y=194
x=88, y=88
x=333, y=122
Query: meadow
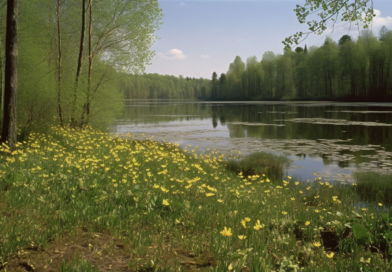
x=80, y=200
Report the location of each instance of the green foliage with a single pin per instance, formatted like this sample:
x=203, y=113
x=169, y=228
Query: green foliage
x=78, y=265
x=259, y=163
x=361, y=234
x=156, y=207
x=120, y=44
x=375, y=187
x=154, y=86
x=344, y=39
x=299, y=49
x=328, y=11
x=235, y=77
x=214, y=86
x=348, y=70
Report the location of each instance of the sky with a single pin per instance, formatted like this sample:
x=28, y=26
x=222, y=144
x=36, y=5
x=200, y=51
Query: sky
x=199, y=37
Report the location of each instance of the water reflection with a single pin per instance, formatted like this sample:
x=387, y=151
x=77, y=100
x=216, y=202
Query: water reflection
x=331, y=138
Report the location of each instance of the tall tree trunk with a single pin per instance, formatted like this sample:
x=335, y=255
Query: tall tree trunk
x=59, y=63
x=1, y=74
x=1, y=80
x=9, y=131
x=79, y=68
x=86, y=108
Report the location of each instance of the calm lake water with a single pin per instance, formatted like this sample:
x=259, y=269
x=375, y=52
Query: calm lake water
x=323, y=139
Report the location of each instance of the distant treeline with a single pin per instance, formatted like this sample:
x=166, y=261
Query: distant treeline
x=164, y=87
x=355, y=70
x=349, y=69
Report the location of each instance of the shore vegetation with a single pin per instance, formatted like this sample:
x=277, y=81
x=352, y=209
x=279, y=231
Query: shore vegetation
x=79, y=200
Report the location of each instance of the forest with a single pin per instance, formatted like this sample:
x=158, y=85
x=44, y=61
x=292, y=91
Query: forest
x=72, y=56
x=353, y=70
x=349, y=69
x=76, y=198
x=153, y=86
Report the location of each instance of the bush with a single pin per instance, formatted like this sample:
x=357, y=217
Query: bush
x=260, y=163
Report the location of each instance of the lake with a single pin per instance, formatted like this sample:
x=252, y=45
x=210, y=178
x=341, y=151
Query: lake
x=323, y=139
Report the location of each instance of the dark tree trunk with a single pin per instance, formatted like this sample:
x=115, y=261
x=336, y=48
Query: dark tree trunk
x=1, y=73
x=9, y=131
x=86, y=108
x=1, y=80
x=80, y=59
x=59, y=62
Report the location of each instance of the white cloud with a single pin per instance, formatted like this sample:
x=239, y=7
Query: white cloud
x=380, y=21
x=182, y=4
x=173, y=54
x=205, y=56
x=376, y=24
x=240, y=40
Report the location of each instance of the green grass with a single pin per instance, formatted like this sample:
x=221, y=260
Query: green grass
x=374, y=187
x=78, y=198
x=78, y=265
x=259, y=163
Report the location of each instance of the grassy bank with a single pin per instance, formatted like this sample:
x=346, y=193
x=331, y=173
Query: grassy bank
x=374, y=187
x=259, y=163
x=78, y=200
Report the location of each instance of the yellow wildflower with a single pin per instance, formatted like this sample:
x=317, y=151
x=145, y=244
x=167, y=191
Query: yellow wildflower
x=165, y=202
x=362, y=260
x=243, y=223
x=163, y=189
x=258, y=225
x=330, y=255
x=317, y=244
x=226, y=232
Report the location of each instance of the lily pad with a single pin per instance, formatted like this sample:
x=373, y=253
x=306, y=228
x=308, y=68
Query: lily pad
x=337, y=122
x=255, y=124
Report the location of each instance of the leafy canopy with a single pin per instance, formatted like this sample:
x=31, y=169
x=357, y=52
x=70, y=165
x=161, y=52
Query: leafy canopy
x=317, y=13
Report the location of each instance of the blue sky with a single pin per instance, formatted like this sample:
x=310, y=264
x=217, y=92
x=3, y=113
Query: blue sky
x=200, y=37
